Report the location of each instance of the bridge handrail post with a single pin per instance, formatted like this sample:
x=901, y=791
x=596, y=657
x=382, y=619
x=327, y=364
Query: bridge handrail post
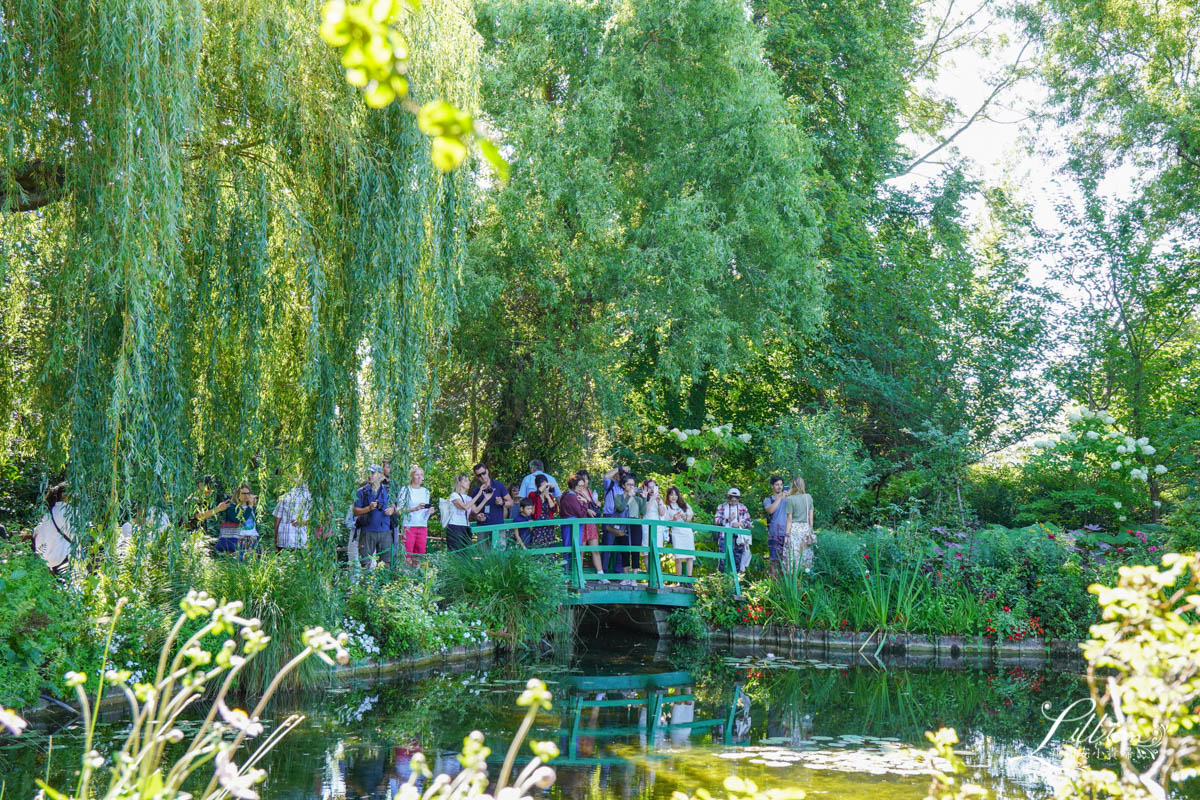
x=497, y=539
x=654, y=568
x=576, y=557
x=733, y=567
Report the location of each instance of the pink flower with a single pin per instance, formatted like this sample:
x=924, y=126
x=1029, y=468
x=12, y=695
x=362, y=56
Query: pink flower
x=1153, y=548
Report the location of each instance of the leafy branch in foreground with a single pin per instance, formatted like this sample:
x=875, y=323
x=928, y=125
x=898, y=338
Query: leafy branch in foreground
x=377, y=55
x=185, y=672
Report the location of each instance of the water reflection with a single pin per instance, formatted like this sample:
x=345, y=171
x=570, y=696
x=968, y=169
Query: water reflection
x=635, y=718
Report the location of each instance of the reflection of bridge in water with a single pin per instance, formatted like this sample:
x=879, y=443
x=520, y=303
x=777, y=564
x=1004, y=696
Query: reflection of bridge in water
x=664, y=705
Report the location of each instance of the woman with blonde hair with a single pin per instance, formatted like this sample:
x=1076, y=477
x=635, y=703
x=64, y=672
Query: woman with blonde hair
x=414, y=500
x=801, y=537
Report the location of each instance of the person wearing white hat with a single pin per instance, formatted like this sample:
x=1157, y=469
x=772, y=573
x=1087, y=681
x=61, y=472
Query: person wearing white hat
x=732, y=514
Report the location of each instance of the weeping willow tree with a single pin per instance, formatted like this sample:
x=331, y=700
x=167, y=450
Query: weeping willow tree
x=213, y=255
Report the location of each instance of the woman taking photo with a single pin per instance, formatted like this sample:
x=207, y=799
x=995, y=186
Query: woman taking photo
x=462, y=506
x=544, y=507
x=574, y=506
x=801, y=537
x=677, y=510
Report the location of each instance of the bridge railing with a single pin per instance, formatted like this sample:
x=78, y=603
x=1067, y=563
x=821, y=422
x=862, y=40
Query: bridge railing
x=653, y=577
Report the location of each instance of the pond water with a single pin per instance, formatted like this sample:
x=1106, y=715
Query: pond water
x=640, y=718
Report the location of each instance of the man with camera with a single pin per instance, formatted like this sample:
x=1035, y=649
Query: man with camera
x=373, y=512
x=496, y=504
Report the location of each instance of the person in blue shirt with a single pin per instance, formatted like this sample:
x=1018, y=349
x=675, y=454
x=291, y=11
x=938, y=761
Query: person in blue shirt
x=496, y=508
x=528, y=485
x=373, y=512
x=613, y=486
x=775, y=505
x=523, y=513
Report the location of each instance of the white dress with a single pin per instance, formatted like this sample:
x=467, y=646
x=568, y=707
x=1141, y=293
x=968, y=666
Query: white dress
x=681, y=538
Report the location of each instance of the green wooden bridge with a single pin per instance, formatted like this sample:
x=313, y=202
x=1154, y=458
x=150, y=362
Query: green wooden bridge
x=655, y=693
x=652, y=585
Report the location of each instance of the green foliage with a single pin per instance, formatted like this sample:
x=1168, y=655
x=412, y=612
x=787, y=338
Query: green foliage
x=716, y=602
x=44, y=630
x=821, y=449
x=688, y=623
x=514, y=591
x=403, y=616
x=655, y=162
x=1117, y=73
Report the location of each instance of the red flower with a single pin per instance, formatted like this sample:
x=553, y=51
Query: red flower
x=1049, y=535
x=1006, y=608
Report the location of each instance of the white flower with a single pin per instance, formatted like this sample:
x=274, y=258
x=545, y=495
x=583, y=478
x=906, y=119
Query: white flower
x=1129, y=442
x=1142, y=442
x=1148, y=450
x=1108, y=419
x=661, y=429
x=1074, y=416
x=745, y=437
x=1160, y=469
x=236, y=784
x=1093, y=435
x=1070, y=436
x=1116, y=465
x=1087, y=413
x=1158, y=503
x=681, y=436
x=691, y=432
x=1139, y=474
x=240, y=720
x=1117, y=504
x=1122, y=518
x=1121, y=449
x=10, y=720
x=691, y=462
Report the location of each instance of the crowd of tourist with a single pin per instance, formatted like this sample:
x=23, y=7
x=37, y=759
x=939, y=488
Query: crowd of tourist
x=385, y=521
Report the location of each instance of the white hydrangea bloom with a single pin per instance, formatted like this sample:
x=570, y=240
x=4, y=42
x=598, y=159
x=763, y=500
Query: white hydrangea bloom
x=1130, y=443
x=1074, y=416
x=1093, y=435
x=691, y=462
x=661, y=429
x=745, y=437
x=1117, y=465
x=1117, y=504
x=1157, y=503
x=1087, y=413
x=1108, y=419
x=1122, y=449
x=1148, y=450
x=1142, y=442
x=1122, y=518
x=1160, y=469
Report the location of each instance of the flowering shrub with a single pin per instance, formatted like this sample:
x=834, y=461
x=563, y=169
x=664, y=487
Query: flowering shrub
x=1102, y=473
x=716, y=602
x=703, y=461
x=401, y=617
